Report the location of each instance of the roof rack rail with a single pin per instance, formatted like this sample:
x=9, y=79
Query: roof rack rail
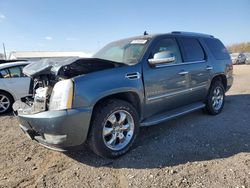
x=192, y=34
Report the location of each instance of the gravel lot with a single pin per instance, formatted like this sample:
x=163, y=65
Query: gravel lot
x=196, y=150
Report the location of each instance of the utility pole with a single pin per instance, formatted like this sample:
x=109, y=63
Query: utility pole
x=4, y=51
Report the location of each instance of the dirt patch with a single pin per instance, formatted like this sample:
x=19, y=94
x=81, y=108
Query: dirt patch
x=196, y=150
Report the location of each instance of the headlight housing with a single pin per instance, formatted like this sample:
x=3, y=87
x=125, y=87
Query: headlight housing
x=62, y=95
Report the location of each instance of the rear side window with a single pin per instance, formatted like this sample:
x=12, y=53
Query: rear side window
x=191, y=50
x=217, y=48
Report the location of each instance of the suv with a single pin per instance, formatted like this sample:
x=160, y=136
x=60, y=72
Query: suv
x=238, y=58
x=130, y=83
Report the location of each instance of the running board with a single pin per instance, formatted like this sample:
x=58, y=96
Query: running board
x=172, y=114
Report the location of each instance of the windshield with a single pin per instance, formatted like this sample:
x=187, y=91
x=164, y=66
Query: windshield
x=127, y=51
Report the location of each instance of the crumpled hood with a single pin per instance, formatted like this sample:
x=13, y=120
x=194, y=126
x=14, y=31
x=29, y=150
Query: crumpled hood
x=68, y=67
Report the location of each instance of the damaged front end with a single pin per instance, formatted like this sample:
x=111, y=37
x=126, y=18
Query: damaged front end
x=50, y=76
x=48, y=116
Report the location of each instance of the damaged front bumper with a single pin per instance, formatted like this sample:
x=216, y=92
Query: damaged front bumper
x=56, y=129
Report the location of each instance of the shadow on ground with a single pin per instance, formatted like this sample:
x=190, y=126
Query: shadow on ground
x=8, y=114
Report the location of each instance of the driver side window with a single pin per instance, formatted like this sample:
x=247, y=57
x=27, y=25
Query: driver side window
x=170, y=46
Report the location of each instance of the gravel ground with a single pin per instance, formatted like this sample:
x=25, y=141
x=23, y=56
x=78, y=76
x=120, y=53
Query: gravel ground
x=196, y=150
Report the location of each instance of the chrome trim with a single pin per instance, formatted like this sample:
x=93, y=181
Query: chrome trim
x=133, y=76
x=178, y=64
x=183, y=73
x=161, y=61
x=175, y=93
x=209, y=68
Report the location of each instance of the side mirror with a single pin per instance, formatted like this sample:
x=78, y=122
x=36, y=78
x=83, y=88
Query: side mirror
x=162, y=58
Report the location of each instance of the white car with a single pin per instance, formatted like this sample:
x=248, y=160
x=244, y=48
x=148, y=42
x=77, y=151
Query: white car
x=13, y=84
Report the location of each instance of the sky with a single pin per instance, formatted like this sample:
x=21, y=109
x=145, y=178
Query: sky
x=87, y=25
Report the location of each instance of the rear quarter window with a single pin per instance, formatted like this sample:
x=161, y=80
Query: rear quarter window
x=191, y=50
x=218, y=50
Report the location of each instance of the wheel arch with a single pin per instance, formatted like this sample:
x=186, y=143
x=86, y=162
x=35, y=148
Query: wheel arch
x=220, y=77
x=129, y=96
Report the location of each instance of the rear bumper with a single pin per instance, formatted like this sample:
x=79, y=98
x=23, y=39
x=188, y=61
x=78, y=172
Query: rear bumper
x=57, y=129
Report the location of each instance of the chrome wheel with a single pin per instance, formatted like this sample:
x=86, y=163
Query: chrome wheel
x=118, y=130
x=4, y=103
x=217, y=99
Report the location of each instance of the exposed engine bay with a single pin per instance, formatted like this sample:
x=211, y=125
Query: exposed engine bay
x=47, y=72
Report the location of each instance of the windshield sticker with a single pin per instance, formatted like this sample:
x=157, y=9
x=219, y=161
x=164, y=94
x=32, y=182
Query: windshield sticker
x=139, y=41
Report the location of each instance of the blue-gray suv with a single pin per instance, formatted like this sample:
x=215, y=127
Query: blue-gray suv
x=140, y=81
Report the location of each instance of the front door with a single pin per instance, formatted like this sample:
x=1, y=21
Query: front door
x=167, y=85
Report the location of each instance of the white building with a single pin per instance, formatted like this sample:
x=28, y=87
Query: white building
x=37, y=55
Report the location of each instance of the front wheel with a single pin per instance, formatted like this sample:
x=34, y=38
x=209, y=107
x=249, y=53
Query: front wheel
x=216, y=98
x=6, y=102
x=114, y=127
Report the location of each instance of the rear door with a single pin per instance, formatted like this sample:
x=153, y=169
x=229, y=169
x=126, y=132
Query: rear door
x=197, y=64
x=16, y=82
x=166, y=85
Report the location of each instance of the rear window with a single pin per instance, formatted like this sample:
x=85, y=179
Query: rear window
x=191, y=50
x=217, y=48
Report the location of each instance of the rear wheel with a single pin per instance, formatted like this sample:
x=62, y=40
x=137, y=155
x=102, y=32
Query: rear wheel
x=215, y=99
x=114, y=127
x=6, y=102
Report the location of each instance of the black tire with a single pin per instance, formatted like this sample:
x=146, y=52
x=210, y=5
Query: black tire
x=101, y=115
x=211, y=108
x=9, y=98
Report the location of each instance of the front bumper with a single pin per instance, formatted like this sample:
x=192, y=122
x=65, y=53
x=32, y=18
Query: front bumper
x=57, y=129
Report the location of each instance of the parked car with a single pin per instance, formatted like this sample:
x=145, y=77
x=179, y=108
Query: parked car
x=130, y=83
x=238, y=58
x=247, y=58
x=13, y=84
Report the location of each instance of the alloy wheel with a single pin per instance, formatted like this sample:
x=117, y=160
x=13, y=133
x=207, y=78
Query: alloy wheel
x=4, y=103
x=118, y=130
x=217, y=99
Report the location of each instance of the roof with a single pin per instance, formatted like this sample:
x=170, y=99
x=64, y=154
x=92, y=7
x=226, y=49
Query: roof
x=9, y=61
x=174, y=33
x=6, y=65
x=184, y=33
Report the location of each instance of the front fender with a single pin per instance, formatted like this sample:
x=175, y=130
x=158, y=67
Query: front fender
x=90, y=88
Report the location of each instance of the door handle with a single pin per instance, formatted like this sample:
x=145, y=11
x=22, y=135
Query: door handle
x=209, y=68
x=183, y=72
x=134, y=75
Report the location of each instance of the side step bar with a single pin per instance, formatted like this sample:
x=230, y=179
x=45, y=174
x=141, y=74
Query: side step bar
x=172, y=114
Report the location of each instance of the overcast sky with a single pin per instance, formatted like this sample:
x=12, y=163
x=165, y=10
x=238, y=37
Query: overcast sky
x=33, y=25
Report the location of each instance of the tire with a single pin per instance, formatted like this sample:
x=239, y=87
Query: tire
x=6, y=102
x=215, y=99
x=114, y=127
